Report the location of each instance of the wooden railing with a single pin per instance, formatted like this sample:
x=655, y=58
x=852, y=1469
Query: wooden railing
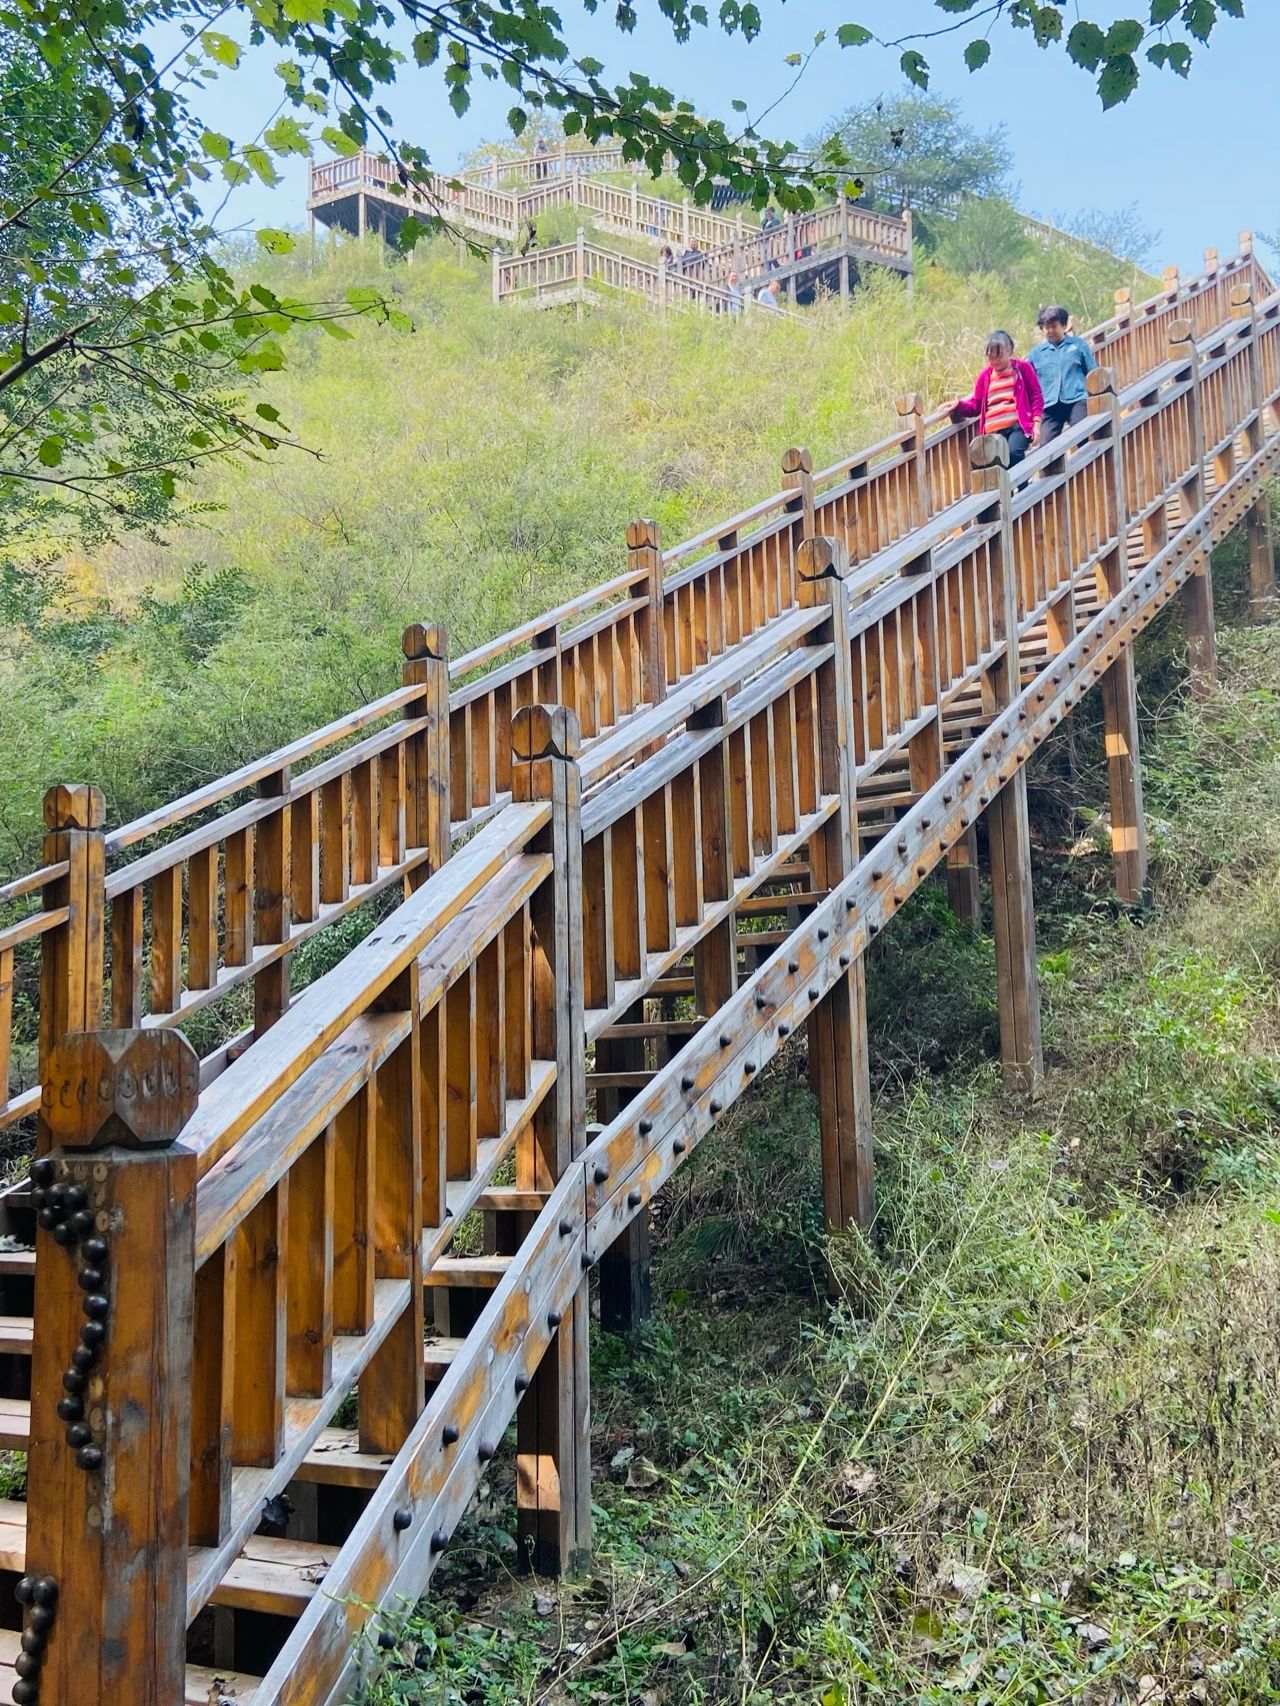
x=561, y=273
x=799, y=722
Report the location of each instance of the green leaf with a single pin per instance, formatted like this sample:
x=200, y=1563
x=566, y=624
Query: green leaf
x=275, y=242
x=268, y=411
x=977, y=54
x=426, y=47
x=1118, y=80
x=1162, y=11
x=1200, y=16
x=259, y=161
x=216, y=146
x=1087, y=45
x=343, y=145
x=362, y=298
x=915, y=68
x=853, y=35
x=286, y=136
x=1123, y=38
x=50, y=452
x=335, y=330
x=794, y=59
x=517, y=119
x=222, y=48
x=304, y=11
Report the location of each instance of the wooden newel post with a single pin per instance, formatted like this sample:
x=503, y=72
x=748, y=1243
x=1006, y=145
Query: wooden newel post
x=644, y=556
x=911, y=419
x=71, y=960
x=839, y=1065
x=553, y=1458
x=1119, y=684
x=1262, y=568
x=797, y=479
x=106, y=1583
x=426, y=758
x=1197, y=589
x=1008, y=829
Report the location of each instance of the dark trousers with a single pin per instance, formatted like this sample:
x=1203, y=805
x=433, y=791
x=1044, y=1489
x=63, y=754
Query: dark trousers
x=1017, y=441
x=1059, y=415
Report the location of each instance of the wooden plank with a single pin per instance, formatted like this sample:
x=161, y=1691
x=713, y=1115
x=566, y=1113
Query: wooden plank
x=278, y=1577
x=257, y=1415
x=309, y=1270
x=354, y=1156
x=213, y=1397
x=166, y=940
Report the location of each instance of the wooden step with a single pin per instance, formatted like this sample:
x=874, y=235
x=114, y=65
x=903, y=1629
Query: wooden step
x=15, y=1334
x=278, y=1576
x=20, y=1263
x=336, y=1460
x=203, y=1685
x=15, y=1424
x=437, y=1355
x=483, y=1272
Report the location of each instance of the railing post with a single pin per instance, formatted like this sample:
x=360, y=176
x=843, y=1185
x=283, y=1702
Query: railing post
x=553, y=1462
x=1172, y=284
x=1197, y=589
x=644, y=555
x=71, y=960
x=426, y=768
x=685, y=221
x=1008, y=829
x=1262, y=569
x=582, y=256
x=911, y=416
x=105, y=1593
x=839, y=1068
x=497, y=277
x=797, y=479
x=1119, y=684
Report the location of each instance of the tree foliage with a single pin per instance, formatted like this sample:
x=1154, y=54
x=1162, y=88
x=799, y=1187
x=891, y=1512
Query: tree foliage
x=929, y=157
x=123, y=339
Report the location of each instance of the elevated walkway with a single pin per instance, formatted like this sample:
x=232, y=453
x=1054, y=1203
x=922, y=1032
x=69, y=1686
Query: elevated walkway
x=711, y=780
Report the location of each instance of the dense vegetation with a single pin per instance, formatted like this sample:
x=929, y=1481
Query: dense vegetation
x=1033, y=1456
x=474, y=471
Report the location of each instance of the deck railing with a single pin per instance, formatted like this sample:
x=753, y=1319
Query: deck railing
x=227, y=1250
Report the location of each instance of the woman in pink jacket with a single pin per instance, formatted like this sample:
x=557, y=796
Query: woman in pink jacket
x=1006, y=398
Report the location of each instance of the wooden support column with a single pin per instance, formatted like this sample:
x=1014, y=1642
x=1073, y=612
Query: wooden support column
x=1197, y=589
x=71, y=960
x=626, y=1297
x=1008, y=831
x=839, y=1068
x=1119, y=684
x=715, y=955
x=964, y=888
x=911, y=424
x=553, y=1424
x=644, y=556
x=1257, y=521
x=105, y=1594
x=426, y=758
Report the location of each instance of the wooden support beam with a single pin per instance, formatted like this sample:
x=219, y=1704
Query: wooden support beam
x=1008, y=831
x=964, y=889
x=626, y=1297
x=1262, y=558
x=104, y=1596
x=838, y=1053
x=553, y=1422
x=71, y=958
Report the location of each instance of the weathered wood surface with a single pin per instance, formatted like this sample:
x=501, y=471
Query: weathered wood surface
x=831, y=724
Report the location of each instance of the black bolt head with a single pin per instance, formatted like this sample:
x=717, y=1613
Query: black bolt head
x=716, y=1108
x=27, y=1664
x=439, y=1540
x=93, y=1334
x=89, y=1279
x=47, y=1218
x=386, y=1640
x=24, y=1590
x=402, y=1519
x=449, y=1434
x=25, y=1692
x=45, y=1591
x=70, y=1409
x=522, y=1382
x=679, y=1146
x=845, y=962
x=81, y=1223
x=42, y=1171
x=565, y=1228
x=34, y=1641
x=62, y=1234
x=37, y=1199
x=553, y=1319
x=784, y=1030
x=40, y=1619
x=793, y=966
x=83, y=1358
x=484, y=1451
x=813, y=994
x=89, y=1458
x=600, y=1175
x=646, y=1126
x=77, y=1197
x=823, y=934
x=74, y=1381
x=726, y=1041
x=634, y=1199
x=587, y=1259
x=56, y=1198
x=95, y=1251
x=762, y=1001
x=96, y=1306
x=78, y=1434
x=687, y=1083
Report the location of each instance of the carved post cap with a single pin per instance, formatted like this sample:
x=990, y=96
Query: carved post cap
x=544, y=731
x=423, y=640
x=822, y=558
x=1124, y=296
x=797, y=461
x=133, y=1088
x=74, y=806
x=1242, y=295
x=911, y=403
x=1100, y=382
x=991, y=450
x=1172, y=278
x=643, y=534
x=1182, y=332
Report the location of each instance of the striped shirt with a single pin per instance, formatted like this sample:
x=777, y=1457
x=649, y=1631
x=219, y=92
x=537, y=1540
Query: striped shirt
x=1002, y=408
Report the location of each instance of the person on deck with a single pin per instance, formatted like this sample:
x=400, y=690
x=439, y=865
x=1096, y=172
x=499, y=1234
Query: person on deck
x=530, y=240
x=733, y=289
x=767, y=297
x=1006, y=398
x=1063, y=363
x=770, y=223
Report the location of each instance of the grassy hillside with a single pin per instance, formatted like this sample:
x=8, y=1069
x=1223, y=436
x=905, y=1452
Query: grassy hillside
x=474, y=472
x=1035, y=1456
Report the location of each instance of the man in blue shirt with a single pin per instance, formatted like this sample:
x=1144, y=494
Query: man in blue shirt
x=1061, y=363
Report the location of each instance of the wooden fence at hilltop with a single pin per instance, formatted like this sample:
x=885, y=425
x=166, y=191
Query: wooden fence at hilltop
x=636, y=845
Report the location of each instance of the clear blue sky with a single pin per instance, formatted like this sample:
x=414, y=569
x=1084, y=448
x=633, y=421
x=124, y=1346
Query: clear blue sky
x=1197, y=156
